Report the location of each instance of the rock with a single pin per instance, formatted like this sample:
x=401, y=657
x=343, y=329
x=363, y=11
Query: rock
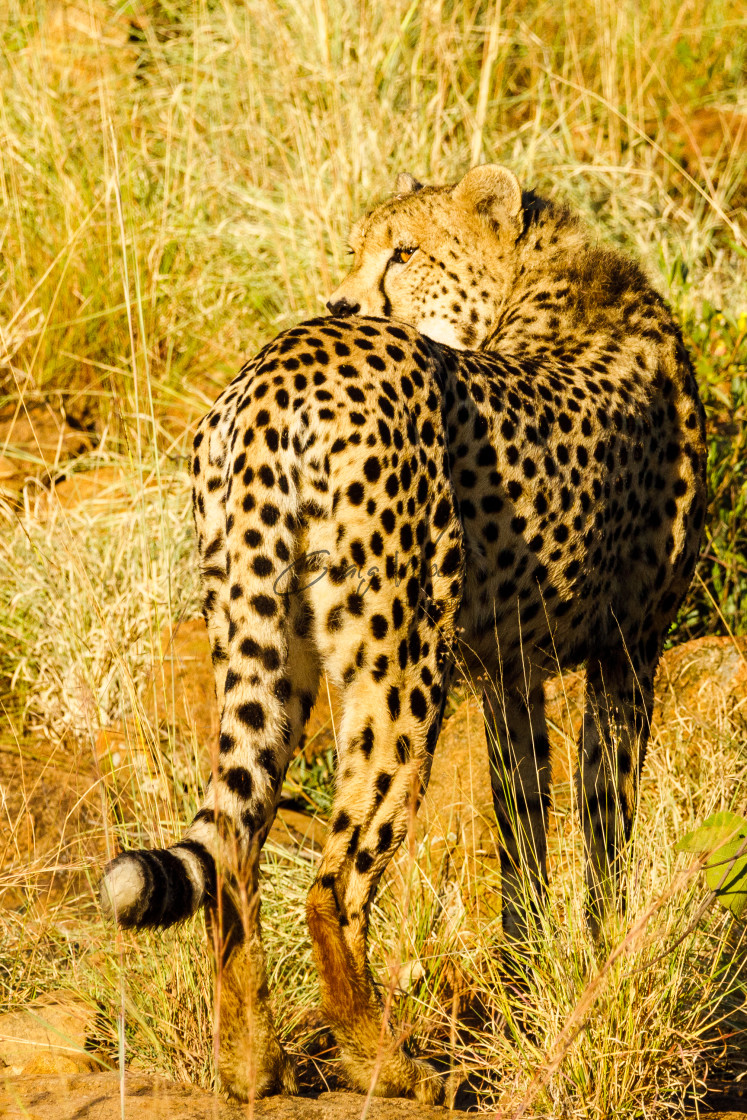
x=47, y=1036
x=302, y=834
x=702, y=682
x=457, y=810
x=458, y=805
x=699, y=682
x=154, y=1098
x=95, y=488
x=185, y=692
x=185, y=686
x=35, y=442
x=454, y=841
x=54, y=1062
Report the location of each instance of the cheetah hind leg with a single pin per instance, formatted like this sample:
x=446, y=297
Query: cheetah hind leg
x=251, y=1060
x=377, y=794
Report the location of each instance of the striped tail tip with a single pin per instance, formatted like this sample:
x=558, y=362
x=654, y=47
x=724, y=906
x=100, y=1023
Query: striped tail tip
x=158, y=888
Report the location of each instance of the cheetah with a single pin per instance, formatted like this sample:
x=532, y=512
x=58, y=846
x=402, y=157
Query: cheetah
x=512, y=510
x=482, y=265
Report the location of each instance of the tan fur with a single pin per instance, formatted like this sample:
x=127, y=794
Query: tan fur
x=378, y=507
x=483, y=265
x=251, y=1059
x=351, y=1005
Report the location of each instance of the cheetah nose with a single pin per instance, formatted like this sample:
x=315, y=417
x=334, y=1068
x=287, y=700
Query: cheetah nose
x=342, y=307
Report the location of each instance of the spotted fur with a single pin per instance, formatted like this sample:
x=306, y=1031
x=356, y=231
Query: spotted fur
x=376, y=505
x=485, y=265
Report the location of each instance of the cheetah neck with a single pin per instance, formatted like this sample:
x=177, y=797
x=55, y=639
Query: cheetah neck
x=567, y=293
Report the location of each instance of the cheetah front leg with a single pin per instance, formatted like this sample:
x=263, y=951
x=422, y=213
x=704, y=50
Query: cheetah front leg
x=617, y=718
x=385, y=760
x=519, y=754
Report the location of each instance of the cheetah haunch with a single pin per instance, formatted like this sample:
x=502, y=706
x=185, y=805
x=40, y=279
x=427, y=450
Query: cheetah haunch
x=535, y=506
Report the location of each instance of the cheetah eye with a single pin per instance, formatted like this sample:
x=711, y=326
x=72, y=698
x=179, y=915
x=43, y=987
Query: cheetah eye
x=402, y=256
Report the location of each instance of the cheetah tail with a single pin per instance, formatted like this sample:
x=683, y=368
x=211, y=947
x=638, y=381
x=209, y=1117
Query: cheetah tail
x=261, y=693
x=160, y=887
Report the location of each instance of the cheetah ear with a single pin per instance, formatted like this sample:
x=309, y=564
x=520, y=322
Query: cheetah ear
x=406, y=183
x=492, y=191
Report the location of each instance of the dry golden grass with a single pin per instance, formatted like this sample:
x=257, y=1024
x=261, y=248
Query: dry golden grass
x=178, y=179
x=651, y=1025
x=177, y=183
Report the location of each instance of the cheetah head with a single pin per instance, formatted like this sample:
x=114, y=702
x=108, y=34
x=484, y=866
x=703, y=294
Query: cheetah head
x=441, y=259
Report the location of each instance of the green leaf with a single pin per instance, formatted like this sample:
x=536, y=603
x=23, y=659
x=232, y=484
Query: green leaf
x=714, y=832
x=724, y=837
x=726, y=874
